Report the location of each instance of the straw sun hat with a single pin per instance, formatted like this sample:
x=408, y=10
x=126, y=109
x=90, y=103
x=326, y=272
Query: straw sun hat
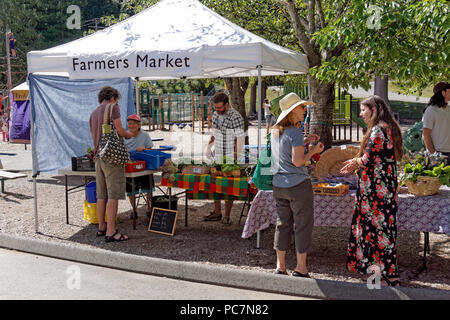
x=289, y=103
x=332, y=161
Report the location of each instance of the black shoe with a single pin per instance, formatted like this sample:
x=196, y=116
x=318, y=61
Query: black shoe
x=280, y=272
x=390, y=283
x=301, y=275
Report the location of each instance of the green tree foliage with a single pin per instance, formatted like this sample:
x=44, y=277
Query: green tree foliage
x=39, y=25
x=12, y=16
x=182, y=86
x=406, y=39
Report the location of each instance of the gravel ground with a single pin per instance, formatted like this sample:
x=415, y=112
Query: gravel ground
x=202, y=242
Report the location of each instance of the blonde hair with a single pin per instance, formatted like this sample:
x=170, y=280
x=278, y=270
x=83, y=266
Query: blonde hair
x=278, y=130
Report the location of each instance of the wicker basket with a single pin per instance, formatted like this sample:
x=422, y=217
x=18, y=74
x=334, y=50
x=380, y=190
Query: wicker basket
x=425, y=186
x=332, y=160
x=235, y=173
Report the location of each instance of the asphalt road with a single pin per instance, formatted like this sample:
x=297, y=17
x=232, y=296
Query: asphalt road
x=30, y=277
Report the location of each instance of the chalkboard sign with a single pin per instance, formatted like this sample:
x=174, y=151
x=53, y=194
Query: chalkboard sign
x=163, y=221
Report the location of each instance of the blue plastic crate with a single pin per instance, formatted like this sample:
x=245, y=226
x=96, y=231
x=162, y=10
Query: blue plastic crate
x=153, y=158
x=91, y=192
x=165, y=148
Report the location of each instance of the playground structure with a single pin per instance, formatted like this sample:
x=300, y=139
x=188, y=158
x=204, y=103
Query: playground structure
x=345, y=113
x=184, y=109
x=179, y=109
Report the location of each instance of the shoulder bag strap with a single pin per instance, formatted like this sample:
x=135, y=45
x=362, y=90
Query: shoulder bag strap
x=111, y=107
x=105, y=114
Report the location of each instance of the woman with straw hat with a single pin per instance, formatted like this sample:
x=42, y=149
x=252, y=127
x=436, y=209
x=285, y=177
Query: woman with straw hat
x=292, y=187
x=372, y=245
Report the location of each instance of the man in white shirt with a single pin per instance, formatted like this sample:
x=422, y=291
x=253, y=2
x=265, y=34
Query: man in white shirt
x=436, y=121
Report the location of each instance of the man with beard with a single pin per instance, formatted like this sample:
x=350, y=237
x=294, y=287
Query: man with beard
x=228, y=138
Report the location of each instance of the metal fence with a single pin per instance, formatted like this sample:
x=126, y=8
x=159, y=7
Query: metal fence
x=174, y=108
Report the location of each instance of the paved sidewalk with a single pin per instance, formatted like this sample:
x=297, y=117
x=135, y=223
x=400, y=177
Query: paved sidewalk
x=242, y=279
x=29, y=277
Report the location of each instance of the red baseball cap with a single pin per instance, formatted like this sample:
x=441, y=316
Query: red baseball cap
x=134, y=117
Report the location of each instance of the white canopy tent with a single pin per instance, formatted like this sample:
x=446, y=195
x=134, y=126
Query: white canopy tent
x=172, y=39
x=179, y=29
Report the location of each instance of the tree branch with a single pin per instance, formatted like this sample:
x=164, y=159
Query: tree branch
x=301, y=32
x=311, y=16
x=341, y=10
x=320, y=13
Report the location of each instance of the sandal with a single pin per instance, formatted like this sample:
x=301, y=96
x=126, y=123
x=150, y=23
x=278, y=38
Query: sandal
x=390, y=283
x=226, y=220
x=301, y=275
x=213, y=217
x=101, y=233
x=120, y=239
x=280, y=272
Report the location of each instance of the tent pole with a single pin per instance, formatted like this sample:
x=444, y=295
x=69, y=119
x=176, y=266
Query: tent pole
x=259, y=109
x=36, y=221
x=33, y=161
x=138, y=99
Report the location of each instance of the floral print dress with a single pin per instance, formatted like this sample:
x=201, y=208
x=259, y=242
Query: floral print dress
x=374, y=224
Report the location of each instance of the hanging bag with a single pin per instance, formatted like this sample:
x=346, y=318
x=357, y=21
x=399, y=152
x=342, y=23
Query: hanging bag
x=262, y=177
x=112, y=149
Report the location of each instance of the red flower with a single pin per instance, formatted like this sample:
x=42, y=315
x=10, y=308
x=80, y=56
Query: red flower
x=391, y=270
x=316, y=157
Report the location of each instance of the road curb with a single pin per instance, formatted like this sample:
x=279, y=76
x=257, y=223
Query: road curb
x=243, y=279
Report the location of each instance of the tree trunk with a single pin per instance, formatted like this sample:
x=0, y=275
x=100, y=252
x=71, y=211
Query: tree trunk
x=322, y=113
x=253, y=97
x=381, y=88
x=237, y=88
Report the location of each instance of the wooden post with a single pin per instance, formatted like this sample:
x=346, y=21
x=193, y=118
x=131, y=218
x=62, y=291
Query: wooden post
x=168, y=109
x=202, y=113
x=153, y=112
x=209, y=114
x=193, y=112
x=8, y=69
x=160, y=112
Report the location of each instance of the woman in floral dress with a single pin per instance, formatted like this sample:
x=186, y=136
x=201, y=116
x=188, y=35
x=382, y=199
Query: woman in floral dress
x=374, y=225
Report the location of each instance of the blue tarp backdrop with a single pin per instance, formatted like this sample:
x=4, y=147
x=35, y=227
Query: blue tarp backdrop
x=61, y=109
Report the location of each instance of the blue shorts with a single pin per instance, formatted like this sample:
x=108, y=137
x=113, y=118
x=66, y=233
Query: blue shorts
x=269, y=118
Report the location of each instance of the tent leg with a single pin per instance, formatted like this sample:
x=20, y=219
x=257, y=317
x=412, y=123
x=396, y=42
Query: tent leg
x=138, y=99
x=34, y=160
x=259, y=109
x=36, y=222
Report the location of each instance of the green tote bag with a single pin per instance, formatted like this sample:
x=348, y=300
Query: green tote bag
x=262, y=177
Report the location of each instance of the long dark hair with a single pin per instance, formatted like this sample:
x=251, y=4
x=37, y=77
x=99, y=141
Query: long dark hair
x=382, y=113
x=437, y=99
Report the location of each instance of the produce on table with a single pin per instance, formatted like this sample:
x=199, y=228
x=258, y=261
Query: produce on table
x=90, y=153
x=424, y=164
